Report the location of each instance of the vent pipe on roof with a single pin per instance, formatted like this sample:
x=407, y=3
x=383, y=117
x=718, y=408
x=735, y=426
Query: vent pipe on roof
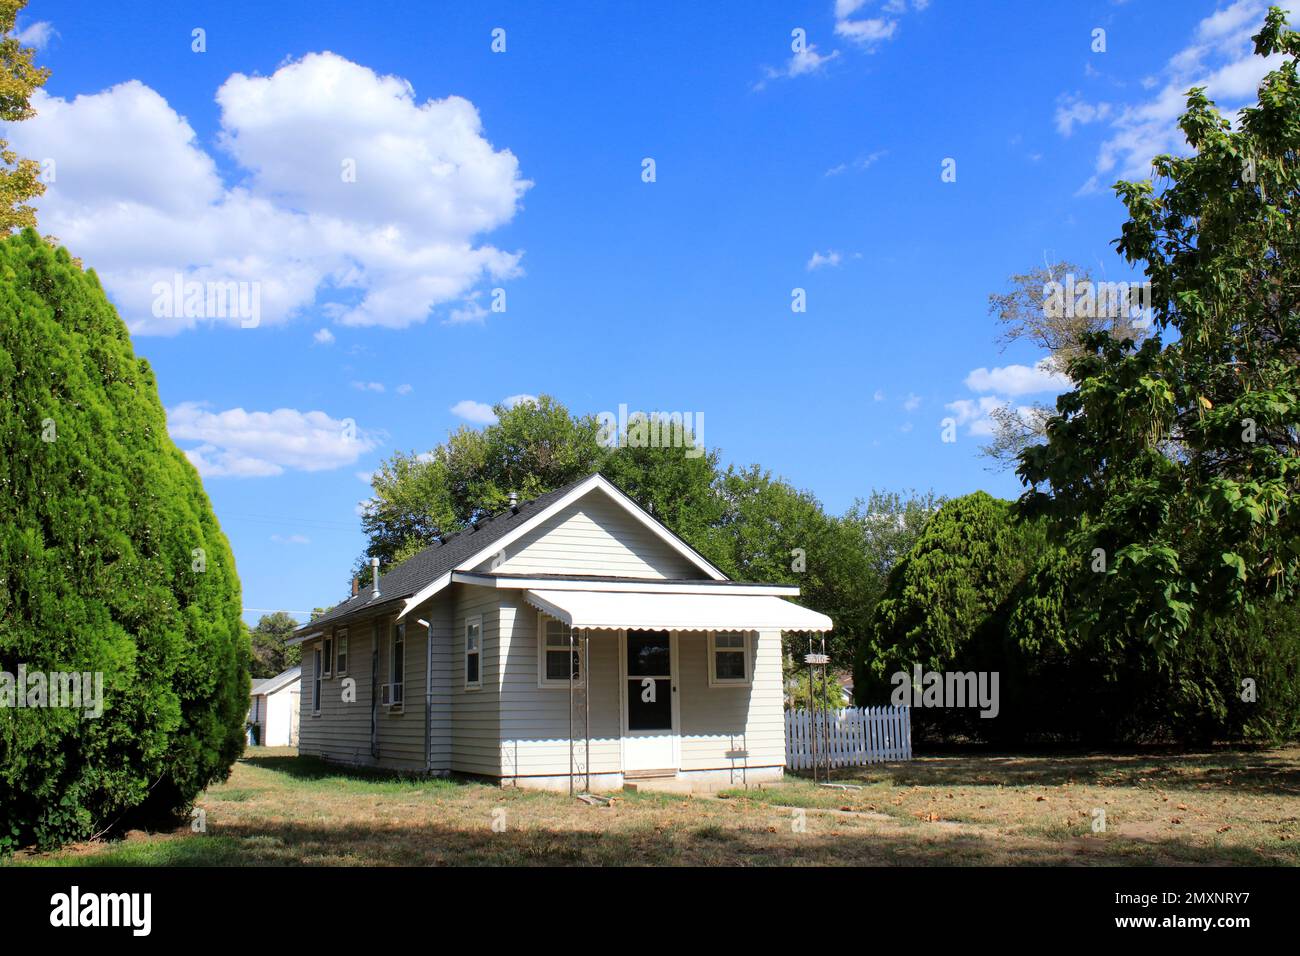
x=374, y=578
x=514, y=503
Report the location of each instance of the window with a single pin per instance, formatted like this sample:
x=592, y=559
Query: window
x=553, y=652
x=329, y=654
x=315, y=684
x=474, y=653
x=396, y=665
x=341, y=652
x=729, y=661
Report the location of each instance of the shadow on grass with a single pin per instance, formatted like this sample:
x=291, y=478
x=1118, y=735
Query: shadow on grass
x=1264, y=772
x=433, y=844
x=308, y=768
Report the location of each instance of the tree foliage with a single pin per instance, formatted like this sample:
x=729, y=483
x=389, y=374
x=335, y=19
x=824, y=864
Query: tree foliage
x=945, y=603
x=20, y=179
x=111, y=561
x=270, y=656
x=1176, y=460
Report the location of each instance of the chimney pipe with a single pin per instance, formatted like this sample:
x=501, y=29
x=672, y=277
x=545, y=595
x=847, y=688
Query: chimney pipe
x=514, y=502
x=356, y=586
x=374, y=578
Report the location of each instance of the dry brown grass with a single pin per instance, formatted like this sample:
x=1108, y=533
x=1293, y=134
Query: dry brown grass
x=1226, y=807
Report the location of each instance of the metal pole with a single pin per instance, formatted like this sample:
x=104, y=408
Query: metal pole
x=570, y=711
x=812, y=707
x=586, y=704
x=826, y=710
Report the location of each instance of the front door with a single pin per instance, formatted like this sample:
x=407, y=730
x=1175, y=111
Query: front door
x=649, y=702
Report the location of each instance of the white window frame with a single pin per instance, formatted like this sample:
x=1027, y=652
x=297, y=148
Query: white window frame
x=341, y=649
x=396, y=707
x=318, y=653
x=475, y=621
x=542, y=680
x=328, y=644
x=748, y=650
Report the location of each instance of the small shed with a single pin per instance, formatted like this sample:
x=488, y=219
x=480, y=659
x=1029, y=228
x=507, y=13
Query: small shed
x=273, y=713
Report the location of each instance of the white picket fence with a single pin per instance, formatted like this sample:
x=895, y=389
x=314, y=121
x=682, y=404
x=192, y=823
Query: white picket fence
x=854, y=737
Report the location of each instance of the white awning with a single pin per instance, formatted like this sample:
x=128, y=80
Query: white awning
x=657, y=610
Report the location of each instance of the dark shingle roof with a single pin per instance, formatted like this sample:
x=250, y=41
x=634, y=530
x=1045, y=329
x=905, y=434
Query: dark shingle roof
x=405, y=579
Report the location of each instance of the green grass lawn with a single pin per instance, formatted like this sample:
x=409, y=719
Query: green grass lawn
x=1228, y=807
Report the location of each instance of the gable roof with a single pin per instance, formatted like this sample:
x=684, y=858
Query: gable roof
x=270, y=685
x=423, y=574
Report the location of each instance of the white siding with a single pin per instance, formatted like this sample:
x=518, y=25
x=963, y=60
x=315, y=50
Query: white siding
x=276, y=725
x=535, y=720
x=342, y=730
x=717, y=721
x=593, y=536
x=475, y=714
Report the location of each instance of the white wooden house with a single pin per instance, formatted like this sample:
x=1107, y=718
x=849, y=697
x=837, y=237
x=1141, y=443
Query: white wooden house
x=569, y=638
x=275, y=708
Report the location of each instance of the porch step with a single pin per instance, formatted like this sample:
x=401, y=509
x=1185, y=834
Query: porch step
x=657, y=785
x=648, y=774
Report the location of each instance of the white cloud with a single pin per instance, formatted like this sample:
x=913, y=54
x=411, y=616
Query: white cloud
x=405, y=389
x=1073, y=109
x=140, y=199
x=1018, y=379
x=243, y=444
x=476, y=413
x=37, y=35
x=470, y=311
x=861, y=163
x=323, y=337
x=1219, y=57
x=912, y=402
x=481, y=413
x=290, y=539
x=868, y=32
x=368, y=386
x=820, y=261
x=879, y=396
x=801, y=63
x=975, y=413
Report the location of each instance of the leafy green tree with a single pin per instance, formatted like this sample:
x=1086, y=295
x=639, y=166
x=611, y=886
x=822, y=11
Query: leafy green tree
x=1171, y=472
x=111, y=562
x=20, y=179
x=774, y=533
x=944, y=606
x=270, y=656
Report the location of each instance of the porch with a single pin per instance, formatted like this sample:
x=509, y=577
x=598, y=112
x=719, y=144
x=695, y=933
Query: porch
x=652, y=689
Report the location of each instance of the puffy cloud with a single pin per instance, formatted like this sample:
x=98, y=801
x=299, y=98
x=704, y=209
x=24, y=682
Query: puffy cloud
x=323, y=337
x=1018, y=379
x=911, y=403
x=243, y=444
x=476, y=413
x=481, y=413
x=975, y=413
x=352, y=196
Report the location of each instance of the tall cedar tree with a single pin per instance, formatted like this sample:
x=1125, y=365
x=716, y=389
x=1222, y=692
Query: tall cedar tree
x=111, y=561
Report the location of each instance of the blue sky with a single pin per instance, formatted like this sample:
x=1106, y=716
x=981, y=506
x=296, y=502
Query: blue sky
x=774, y=170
